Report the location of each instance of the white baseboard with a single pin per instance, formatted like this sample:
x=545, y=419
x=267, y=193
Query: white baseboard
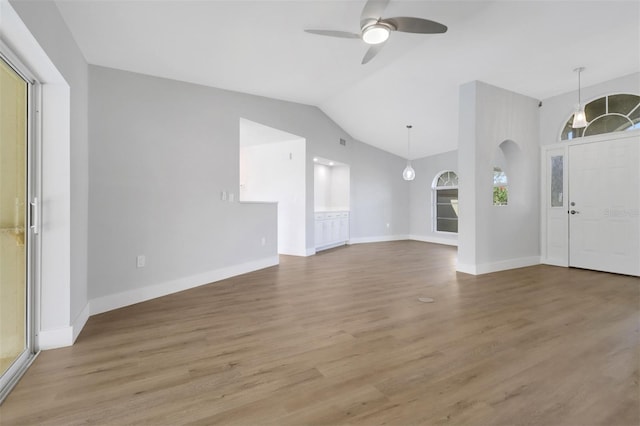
x=56, y=338
x=555, y=262
x=378, y=239
x=287, y=252
x=130, y=297
x=503, y=265
x=64, y=336
x=466, y=268
x=330, y=246
x=311, y=251
x=435, y=240
x=80, y=321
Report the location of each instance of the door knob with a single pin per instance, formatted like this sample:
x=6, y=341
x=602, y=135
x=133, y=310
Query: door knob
x=574, y=212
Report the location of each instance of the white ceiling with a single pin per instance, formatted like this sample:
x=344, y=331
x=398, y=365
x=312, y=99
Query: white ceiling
x=259, y=47
x=252, y=133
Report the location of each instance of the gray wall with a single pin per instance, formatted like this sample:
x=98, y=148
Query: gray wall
x=46, y=24
x=497, y=237
x=379, y=195
x=420, y=196
x=556, y=111
x=161, y=152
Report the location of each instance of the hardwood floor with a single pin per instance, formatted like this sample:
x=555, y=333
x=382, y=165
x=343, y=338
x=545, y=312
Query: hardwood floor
x=341, y=338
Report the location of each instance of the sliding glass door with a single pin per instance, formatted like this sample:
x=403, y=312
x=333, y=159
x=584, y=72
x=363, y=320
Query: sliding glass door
x=16, y=238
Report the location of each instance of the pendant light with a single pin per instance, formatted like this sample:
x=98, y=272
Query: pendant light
x=408, y=173
x=579, y=118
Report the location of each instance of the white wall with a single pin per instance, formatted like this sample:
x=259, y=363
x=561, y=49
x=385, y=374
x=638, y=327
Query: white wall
x=556, y=110
x=275, y=172
x=379, y=196
x=497, y=237
x=421, y=197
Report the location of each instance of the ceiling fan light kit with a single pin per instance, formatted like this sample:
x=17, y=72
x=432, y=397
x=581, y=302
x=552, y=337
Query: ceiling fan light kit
x=375, y=31
x=375, y=34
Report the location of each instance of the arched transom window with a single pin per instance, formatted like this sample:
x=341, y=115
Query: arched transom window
x=445, y=200
x=612, y=113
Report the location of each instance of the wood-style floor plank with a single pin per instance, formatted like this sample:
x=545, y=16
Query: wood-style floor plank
x=340, y=338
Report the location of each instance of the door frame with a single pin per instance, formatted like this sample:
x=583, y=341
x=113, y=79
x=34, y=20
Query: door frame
x=33, y=222
x=546, y=152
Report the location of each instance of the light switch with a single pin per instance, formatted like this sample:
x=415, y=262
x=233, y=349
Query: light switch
x=223, y=195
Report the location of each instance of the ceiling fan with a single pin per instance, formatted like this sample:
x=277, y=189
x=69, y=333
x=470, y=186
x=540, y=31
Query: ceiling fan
x=375, y=30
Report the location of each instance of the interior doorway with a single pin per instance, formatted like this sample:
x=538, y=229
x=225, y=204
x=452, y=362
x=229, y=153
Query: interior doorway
x=272, y=169
x=17, y=237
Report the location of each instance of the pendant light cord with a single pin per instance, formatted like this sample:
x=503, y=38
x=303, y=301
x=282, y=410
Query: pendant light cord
x=409, y=126
x=579, y=71
x=579, y=88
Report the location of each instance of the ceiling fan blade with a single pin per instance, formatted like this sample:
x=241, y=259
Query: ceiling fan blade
x=330, y=33
x=372, y=11
x=407, y=24
x=372, y=52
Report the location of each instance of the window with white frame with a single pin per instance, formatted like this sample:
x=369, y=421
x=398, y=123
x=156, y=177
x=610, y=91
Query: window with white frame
x=445, y=202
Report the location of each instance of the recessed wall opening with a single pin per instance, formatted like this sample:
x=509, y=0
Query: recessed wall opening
x=507, y=170
x=272, y=169
x=331, y=184
x=500, y=187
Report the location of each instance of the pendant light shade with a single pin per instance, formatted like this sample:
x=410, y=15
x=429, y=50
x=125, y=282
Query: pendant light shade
x=408, y=173
x=579, y=118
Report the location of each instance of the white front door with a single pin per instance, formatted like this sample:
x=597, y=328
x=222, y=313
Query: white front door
x=604, y=206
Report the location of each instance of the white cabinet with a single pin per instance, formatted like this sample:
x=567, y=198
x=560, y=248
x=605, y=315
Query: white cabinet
x=331, y=229
x=319, y=232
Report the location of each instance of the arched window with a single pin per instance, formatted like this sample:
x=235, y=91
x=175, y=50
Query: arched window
x=445, y=200
x=612, y=113
x=500, y=187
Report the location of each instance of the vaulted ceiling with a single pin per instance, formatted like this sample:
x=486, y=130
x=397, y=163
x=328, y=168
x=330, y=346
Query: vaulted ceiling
x=259, y=47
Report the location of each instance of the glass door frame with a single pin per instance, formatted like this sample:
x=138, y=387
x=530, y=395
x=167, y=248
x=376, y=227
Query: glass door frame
x=32, y=226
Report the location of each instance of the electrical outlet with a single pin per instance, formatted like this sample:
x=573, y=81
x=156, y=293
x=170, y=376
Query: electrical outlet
x=232, y=197
x=141, y=261
x=223, y=195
